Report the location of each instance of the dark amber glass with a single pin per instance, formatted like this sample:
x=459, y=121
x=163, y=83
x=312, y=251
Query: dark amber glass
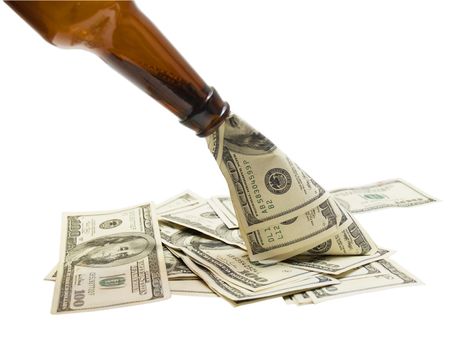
x=124, y=38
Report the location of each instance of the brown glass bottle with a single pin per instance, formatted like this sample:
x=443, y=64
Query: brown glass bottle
x=124, y=38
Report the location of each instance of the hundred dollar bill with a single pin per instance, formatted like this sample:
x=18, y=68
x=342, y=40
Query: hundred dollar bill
x=176, y=268
x=390, y=193
x=335, y=265
x=389, y=275
x=289, y=238
x=362, y=271
x=400, y=192
x=351, y=239
x=169, y=233
x=223, y=207
x=202, y=218
x=183, y=200
x=268, y=189
x=110, y=259
x=190, y=287
x=368, y=270
x=238, y=295
x=230, y=263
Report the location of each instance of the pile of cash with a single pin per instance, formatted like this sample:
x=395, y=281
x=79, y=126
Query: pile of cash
x=194, y=246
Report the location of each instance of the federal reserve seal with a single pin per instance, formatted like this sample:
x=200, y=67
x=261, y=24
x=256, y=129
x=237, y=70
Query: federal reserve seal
x=278, y=181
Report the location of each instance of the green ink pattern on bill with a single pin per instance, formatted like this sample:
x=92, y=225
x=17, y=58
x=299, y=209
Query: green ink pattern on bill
x=280, y=209
x=110, y=259
x=384, y=194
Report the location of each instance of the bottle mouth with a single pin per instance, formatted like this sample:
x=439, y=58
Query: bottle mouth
x=208, y=117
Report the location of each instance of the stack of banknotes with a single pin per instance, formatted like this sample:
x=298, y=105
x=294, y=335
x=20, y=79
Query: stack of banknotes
x=193, y=246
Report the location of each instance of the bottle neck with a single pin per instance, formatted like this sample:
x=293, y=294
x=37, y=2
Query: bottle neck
x=125, y=39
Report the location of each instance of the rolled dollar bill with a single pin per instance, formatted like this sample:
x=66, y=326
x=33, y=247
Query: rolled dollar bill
x=351, y=239
x=280, y=209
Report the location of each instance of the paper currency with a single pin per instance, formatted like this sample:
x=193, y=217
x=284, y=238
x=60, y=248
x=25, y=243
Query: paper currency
x=227, y=270
x=334, y=265
x=381, y=274
x=190, y=287
x=223, y=207
x=292, y=237
x=319, y=253
x=202, y=218
x=176, y=268
x=351, y=239
x=390, y=193
x=183, y=200
x=232, y=263
x=270, y=192
x=110, y=259
x=237, y=295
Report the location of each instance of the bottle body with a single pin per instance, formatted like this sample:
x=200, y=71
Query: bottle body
x=125, y=39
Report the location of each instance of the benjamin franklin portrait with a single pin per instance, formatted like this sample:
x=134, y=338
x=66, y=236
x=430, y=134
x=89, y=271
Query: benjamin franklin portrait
x=242, y=138
x=112, y=250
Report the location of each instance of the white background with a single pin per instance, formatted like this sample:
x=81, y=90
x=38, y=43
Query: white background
x=354, y=91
